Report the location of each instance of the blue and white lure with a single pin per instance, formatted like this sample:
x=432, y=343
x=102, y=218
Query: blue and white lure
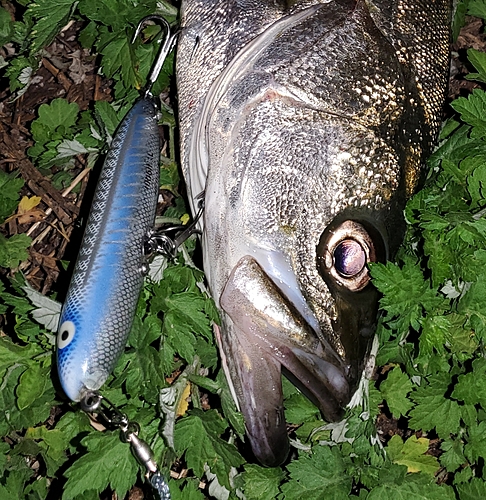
x=101, y=300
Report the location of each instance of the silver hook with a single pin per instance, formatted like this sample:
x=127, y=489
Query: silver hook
x=164, y=50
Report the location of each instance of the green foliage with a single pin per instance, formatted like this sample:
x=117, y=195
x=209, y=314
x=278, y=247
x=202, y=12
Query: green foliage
x=13, y=250
x=412, y=455
x=323, y=471
x=197, y=435
x=10, y=187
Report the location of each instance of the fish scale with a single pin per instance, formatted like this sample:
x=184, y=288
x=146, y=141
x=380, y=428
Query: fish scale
x=101, y=300
x=305, y=123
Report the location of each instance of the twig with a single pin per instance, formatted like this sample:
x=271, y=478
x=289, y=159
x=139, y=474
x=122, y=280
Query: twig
x=73, y=184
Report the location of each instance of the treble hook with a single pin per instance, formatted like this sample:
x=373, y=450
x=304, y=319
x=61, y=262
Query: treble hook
x=164, y=50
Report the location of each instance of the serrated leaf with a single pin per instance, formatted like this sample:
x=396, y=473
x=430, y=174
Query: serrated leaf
x=433, y=409
x=413, y=487
x=32, y=385
x=473, y=490
x=197, y=435
x=108, y=462
x=475, y=447
x=478, y=60
x=47, y=311
x=13, y=250
x=405, y=293
x=477, y=8
x=6, y=26
x=262, y=483
x=473, y=305
x=469, y=387
x=299, y=409
x=453, y=456
x=58, y=113
x=395, y=390
x=107, y=117
x=472, y=109
x=185, y=490
x=9, y=193
x=312, y=474
x=118, y=57
x=50, y=17
x=412, y=454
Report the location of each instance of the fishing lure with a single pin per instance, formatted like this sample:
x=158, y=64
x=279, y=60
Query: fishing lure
x=102, y=297
x=101, y=300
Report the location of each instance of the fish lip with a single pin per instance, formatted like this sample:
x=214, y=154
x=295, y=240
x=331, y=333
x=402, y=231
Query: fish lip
x=314, y=364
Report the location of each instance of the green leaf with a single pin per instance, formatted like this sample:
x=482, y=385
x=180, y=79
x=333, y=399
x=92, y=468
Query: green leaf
x=473, y=490
x=13, y=250
x=145, y=373
x=119, y=58
x=473, y=305
x=262, y=483
x=475, y=447
x=185, y=490
x=478, y=60
x=10, y=187
x=414, y=487
x=107, y=116
x=118, y=14
x=108, y=462
x=395, y=390
x=6, y=26
x=197, y=435
x=472, y=109
x=299, y=409
x=50, y=17
x=477, y=8
x=470, y=387
x=453, y=456
x=405, y=293
x=312, y=474
x=59, y=113
x=32, y=385
x=435, y=335
x=433, y=409
x=412, y=454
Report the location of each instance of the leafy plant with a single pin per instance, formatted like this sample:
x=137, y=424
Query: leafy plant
x=430, y=392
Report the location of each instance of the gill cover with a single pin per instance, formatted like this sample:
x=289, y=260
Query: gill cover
x=306, y=124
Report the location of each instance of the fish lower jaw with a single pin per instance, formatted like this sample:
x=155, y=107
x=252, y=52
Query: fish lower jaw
x=261, y=336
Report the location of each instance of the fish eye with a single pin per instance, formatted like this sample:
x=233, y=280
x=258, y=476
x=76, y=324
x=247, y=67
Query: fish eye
x=345, y=250
x=349, y=258
x=65, y=334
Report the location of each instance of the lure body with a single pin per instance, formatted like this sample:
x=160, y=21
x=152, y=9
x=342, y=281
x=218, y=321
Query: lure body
x=101, y=300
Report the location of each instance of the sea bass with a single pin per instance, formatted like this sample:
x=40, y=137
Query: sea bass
x=305, y=125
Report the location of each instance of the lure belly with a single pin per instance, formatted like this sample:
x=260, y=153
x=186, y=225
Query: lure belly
x=101, y=300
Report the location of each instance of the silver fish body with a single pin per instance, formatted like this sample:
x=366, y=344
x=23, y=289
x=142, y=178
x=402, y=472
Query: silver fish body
x=306, y=124
x=103, y=293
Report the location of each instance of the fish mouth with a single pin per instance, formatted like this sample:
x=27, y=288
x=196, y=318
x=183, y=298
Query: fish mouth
x=264, y=333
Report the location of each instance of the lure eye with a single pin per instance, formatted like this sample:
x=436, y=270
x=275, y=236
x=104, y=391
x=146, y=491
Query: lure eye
x=65, y=334
x=349, y=258
x=343, y=252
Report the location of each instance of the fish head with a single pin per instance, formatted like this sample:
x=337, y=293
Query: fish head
x=298, y=232
x=307, y=141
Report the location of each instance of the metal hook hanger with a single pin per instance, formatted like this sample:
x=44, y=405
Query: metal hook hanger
x=164, y=50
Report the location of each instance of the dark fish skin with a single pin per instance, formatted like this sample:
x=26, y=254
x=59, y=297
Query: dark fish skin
x=306, y=124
